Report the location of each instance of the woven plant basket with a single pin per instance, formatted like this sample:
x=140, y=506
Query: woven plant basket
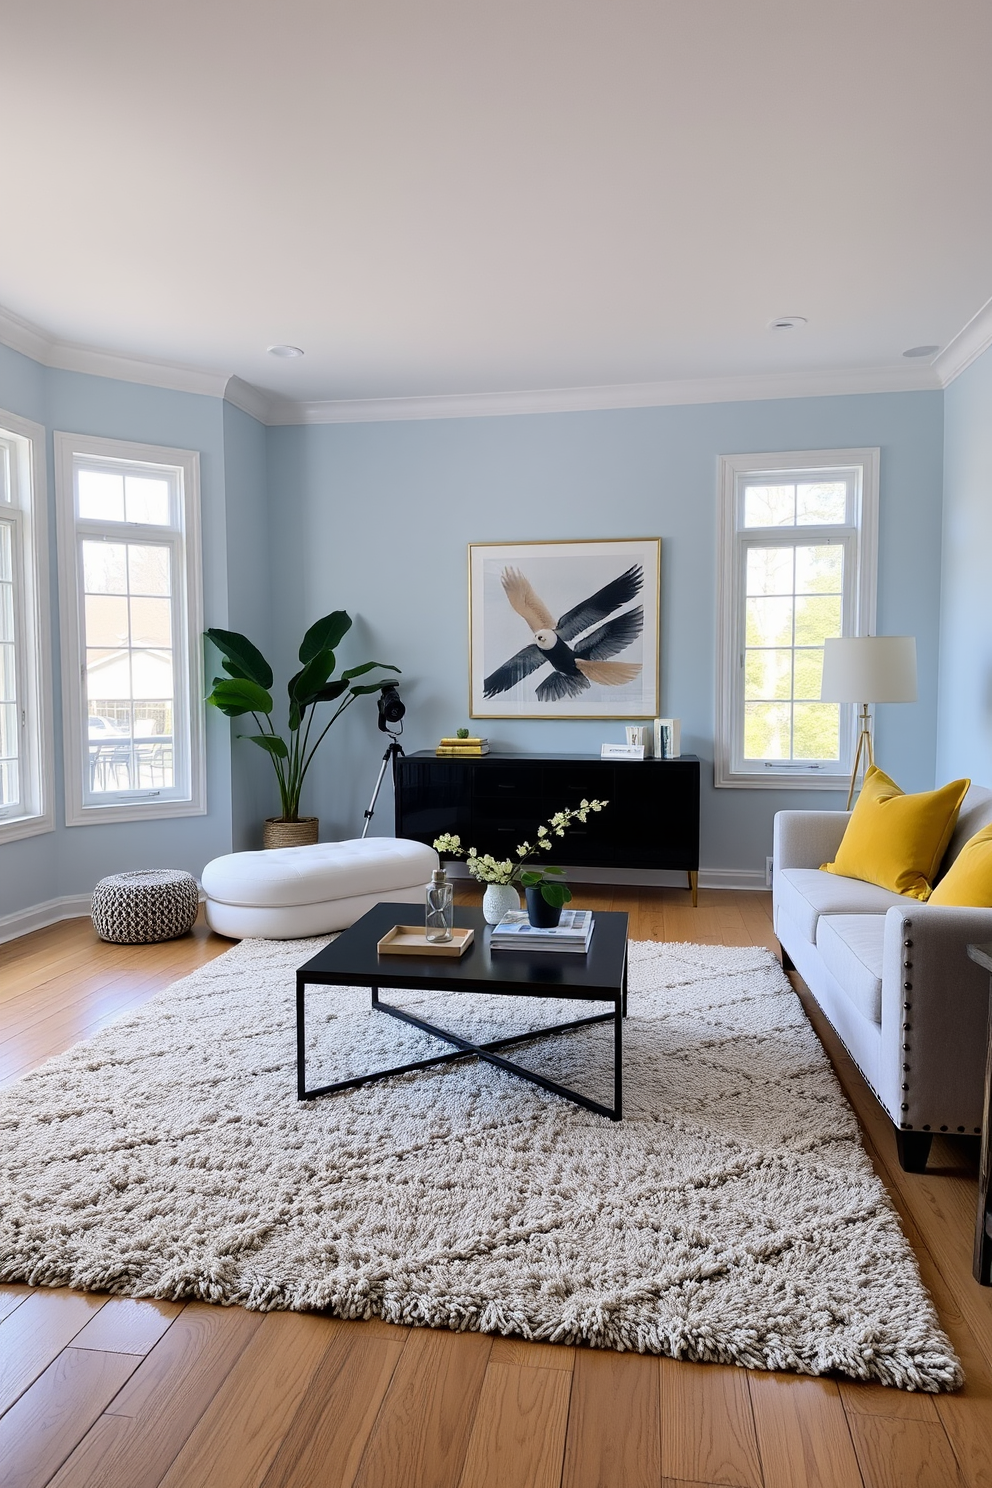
x=280, y=833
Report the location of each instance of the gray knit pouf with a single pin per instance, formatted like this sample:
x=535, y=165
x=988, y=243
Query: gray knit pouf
x=136, y=908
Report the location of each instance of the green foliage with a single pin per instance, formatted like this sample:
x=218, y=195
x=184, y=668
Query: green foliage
x=461, y=733
x=245, y=689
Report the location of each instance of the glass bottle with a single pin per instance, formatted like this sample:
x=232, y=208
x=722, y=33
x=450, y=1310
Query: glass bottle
x=440, y=918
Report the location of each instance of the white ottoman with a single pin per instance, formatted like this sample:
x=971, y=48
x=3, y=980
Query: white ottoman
x=289, y=892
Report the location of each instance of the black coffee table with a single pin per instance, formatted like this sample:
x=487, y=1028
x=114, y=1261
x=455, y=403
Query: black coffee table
x=353, y=961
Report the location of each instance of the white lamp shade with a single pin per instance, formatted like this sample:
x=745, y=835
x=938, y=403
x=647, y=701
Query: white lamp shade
x=869, y=669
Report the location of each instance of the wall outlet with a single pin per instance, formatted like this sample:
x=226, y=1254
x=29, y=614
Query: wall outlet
x=768, y=872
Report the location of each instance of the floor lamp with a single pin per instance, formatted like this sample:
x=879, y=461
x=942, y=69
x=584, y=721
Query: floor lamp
x=866, y=670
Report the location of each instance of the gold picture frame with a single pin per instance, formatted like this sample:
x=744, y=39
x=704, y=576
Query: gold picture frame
x=599, y=658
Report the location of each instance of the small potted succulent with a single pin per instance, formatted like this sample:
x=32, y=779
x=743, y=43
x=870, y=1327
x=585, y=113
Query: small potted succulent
x=546, y=893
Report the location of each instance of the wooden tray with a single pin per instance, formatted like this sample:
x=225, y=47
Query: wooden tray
x=410, y=940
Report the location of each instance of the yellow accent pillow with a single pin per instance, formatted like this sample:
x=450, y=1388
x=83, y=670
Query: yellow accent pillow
x=898, y=841
x=968, y=881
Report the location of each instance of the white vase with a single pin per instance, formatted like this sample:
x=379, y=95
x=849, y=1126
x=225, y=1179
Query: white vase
x=498, y=900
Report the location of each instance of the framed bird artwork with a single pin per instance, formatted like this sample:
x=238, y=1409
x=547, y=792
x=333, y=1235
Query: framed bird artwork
x=565, y=629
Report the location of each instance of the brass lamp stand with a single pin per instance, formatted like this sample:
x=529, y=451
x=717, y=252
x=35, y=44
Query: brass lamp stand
x=879, y=668
x=864, y=755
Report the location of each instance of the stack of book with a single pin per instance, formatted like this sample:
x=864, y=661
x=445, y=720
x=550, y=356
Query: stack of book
x=515, y=932
x=463, y=748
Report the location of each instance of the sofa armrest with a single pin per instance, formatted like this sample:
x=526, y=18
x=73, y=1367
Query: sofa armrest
x=935, y=1017
x=805, y=839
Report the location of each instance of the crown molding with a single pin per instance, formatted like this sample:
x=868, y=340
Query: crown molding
x=276, y=411
x=748, y=388
x=20, y=335
x=254, y=401
x=68, y=356
x=966, y=347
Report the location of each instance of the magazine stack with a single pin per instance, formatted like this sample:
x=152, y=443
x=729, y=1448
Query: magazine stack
x=515, y=933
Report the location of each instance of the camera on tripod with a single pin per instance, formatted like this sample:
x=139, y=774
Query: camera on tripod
x=391, y=708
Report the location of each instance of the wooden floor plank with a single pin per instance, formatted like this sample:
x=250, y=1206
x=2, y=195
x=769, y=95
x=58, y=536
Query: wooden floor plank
x=536, y=1355
x=126, y=1326
x=803, y=1435
x=707, y=1425
x=36, y=1332
x=878, y=1400
x=41, y=1429
x=518, y=1438
x=134, y=1444
x=614, y=1422
x=12, y=1295
x=331, y=1428
x=239, y=1433
x=904, y=1454
x=422, y=1431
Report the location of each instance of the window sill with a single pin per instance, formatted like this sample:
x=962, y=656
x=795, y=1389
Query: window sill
x=132, y=811
x=13, y=829
x=770, y=780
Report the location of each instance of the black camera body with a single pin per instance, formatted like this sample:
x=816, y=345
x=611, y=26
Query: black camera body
x=391, y=707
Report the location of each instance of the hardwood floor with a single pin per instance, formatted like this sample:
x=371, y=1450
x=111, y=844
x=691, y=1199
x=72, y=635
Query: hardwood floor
x=100, y=1392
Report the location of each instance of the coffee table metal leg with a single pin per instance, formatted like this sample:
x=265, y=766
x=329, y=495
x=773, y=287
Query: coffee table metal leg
x=618, y=1016
x=301, y=1038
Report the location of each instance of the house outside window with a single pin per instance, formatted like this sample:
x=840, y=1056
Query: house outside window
x=798, y=539
x=129, y=570
x=25, y=673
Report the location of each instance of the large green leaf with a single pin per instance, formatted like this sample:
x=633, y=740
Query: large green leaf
x=306, y=684
x=270, y=742
x=367, y=667
x=369, y=687
x=324, y=634
x=332, y=691
x=233, y=670
x=250, y=662
x=239, y=695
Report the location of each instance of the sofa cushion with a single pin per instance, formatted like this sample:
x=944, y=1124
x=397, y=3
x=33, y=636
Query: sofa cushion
x=850, y=947
x=806, y=893
x=319, y=873
x=895, y=840
x=968, y=881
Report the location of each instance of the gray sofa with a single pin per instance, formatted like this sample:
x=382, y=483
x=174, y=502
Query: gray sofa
x=891, y=974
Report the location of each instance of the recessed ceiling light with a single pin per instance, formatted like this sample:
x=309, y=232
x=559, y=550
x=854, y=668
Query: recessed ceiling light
x=285, y=351
x=921, y=351
x=787, y=323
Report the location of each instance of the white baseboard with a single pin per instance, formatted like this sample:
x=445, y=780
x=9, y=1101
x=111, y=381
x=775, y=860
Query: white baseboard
x=652, y=878
x=23, y=921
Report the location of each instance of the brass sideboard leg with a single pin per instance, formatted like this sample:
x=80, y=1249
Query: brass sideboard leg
x=694, y=886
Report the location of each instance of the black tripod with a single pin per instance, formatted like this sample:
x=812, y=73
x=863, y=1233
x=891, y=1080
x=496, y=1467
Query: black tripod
x=393, y=752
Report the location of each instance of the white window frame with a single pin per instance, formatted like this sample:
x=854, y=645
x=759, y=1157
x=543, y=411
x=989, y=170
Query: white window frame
x=24, y=442
x=730, y=770
x=188, y=796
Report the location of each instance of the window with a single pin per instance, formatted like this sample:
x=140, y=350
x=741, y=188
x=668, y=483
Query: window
x=129, y=571
x=25, y=678
x=798, y=538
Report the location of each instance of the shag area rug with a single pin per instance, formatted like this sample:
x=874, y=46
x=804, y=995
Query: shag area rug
x=731, y=1216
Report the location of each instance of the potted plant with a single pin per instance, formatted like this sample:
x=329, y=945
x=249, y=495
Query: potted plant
x=245, y=689
x=546, y=894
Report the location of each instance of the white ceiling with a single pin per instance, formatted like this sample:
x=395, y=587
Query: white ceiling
x=469, y=196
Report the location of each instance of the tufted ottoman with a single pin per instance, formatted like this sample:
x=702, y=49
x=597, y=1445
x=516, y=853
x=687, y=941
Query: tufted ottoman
x=137, y=908
x=288, y=892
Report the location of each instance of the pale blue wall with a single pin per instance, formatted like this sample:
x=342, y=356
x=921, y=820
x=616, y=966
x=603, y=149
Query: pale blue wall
x=253, y=796
x=375, y=518
x=965, y=737
x=70, y=860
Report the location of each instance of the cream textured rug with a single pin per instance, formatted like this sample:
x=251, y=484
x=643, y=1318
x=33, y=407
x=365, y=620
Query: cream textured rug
x=732, y=1215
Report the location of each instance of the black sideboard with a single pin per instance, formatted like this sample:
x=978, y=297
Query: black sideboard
x=495, y=802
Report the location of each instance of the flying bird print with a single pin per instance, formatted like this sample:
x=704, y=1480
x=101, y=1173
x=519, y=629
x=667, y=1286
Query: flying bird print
x=574, y=667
